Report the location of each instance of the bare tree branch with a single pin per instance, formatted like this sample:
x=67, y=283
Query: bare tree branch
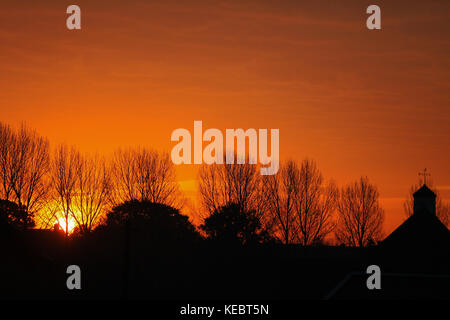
x=360, y=215
x=143, y=174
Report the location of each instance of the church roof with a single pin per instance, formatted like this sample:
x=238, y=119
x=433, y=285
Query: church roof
x=420, y=230
x=424, y=191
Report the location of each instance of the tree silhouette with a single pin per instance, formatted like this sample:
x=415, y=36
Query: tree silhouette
x=230, y=224
x=81, y=187
x=155, y=221
x=314, y=204
x=7, y=142
x=93, y=187
x=66, y=167
x=14, y=217
x=282, y=191
x=360, y=217
x=24, y=164
x=144, y=175
x=220, y=185
x=301, y=203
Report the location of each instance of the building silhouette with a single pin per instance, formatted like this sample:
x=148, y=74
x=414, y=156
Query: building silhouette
x=423, y=229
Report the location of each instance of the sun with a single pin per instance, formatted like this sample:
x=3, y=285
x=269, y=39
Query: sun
x=70, y=226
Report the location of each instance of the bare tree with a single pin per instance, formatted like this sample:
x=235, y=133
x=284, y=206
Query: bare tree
x=7, y=142
x=240, y=184
x=281, y=196
x=222, y=184
x=82, y=185
x=314, y=205
x=142, y=174
x=93, y=187
x=442, y=207
x=33, y=163
x=443, y=211
x=24, y=164
x=301, y=203
x=360, y=217
x=66, y=168
x=49, y=214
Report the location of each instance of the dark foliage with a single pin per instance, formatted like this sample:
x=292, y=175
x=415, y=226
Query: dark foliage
x=14, y=217
x=153, y=221
x=231, y=224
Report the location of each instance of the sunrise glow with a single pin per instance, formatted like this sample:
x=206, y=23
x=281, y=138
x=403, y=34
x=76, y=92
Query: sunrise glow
x=71, y=224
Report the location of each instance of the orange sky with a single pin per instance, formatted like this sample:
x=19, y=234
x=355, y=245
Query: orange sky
x=359, y=102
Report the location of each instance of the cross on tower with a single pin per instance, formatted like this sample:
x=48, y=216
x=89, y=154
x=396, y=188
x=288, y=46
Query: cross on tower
x=424, y=174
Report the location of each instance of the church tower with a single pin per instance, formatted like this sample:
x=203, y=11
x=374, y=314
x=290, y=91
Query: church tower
x=424, y=201
x=422, y=232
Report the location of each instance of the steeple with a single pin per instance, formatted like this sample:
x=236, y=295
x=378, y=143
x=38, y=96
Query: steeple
x=424, y=201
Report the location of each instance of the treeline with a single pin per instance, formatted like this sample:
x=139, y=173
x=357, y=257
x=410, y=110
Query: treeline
x=64, y=186
x=47, y=188
x=296, y=205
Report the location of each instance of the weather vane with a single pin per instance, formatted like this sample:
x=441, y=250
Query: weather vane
x=424, y=174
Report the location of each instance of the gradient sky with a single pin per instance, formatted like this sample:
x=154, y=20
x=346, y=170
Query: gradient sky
x=359, y=102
